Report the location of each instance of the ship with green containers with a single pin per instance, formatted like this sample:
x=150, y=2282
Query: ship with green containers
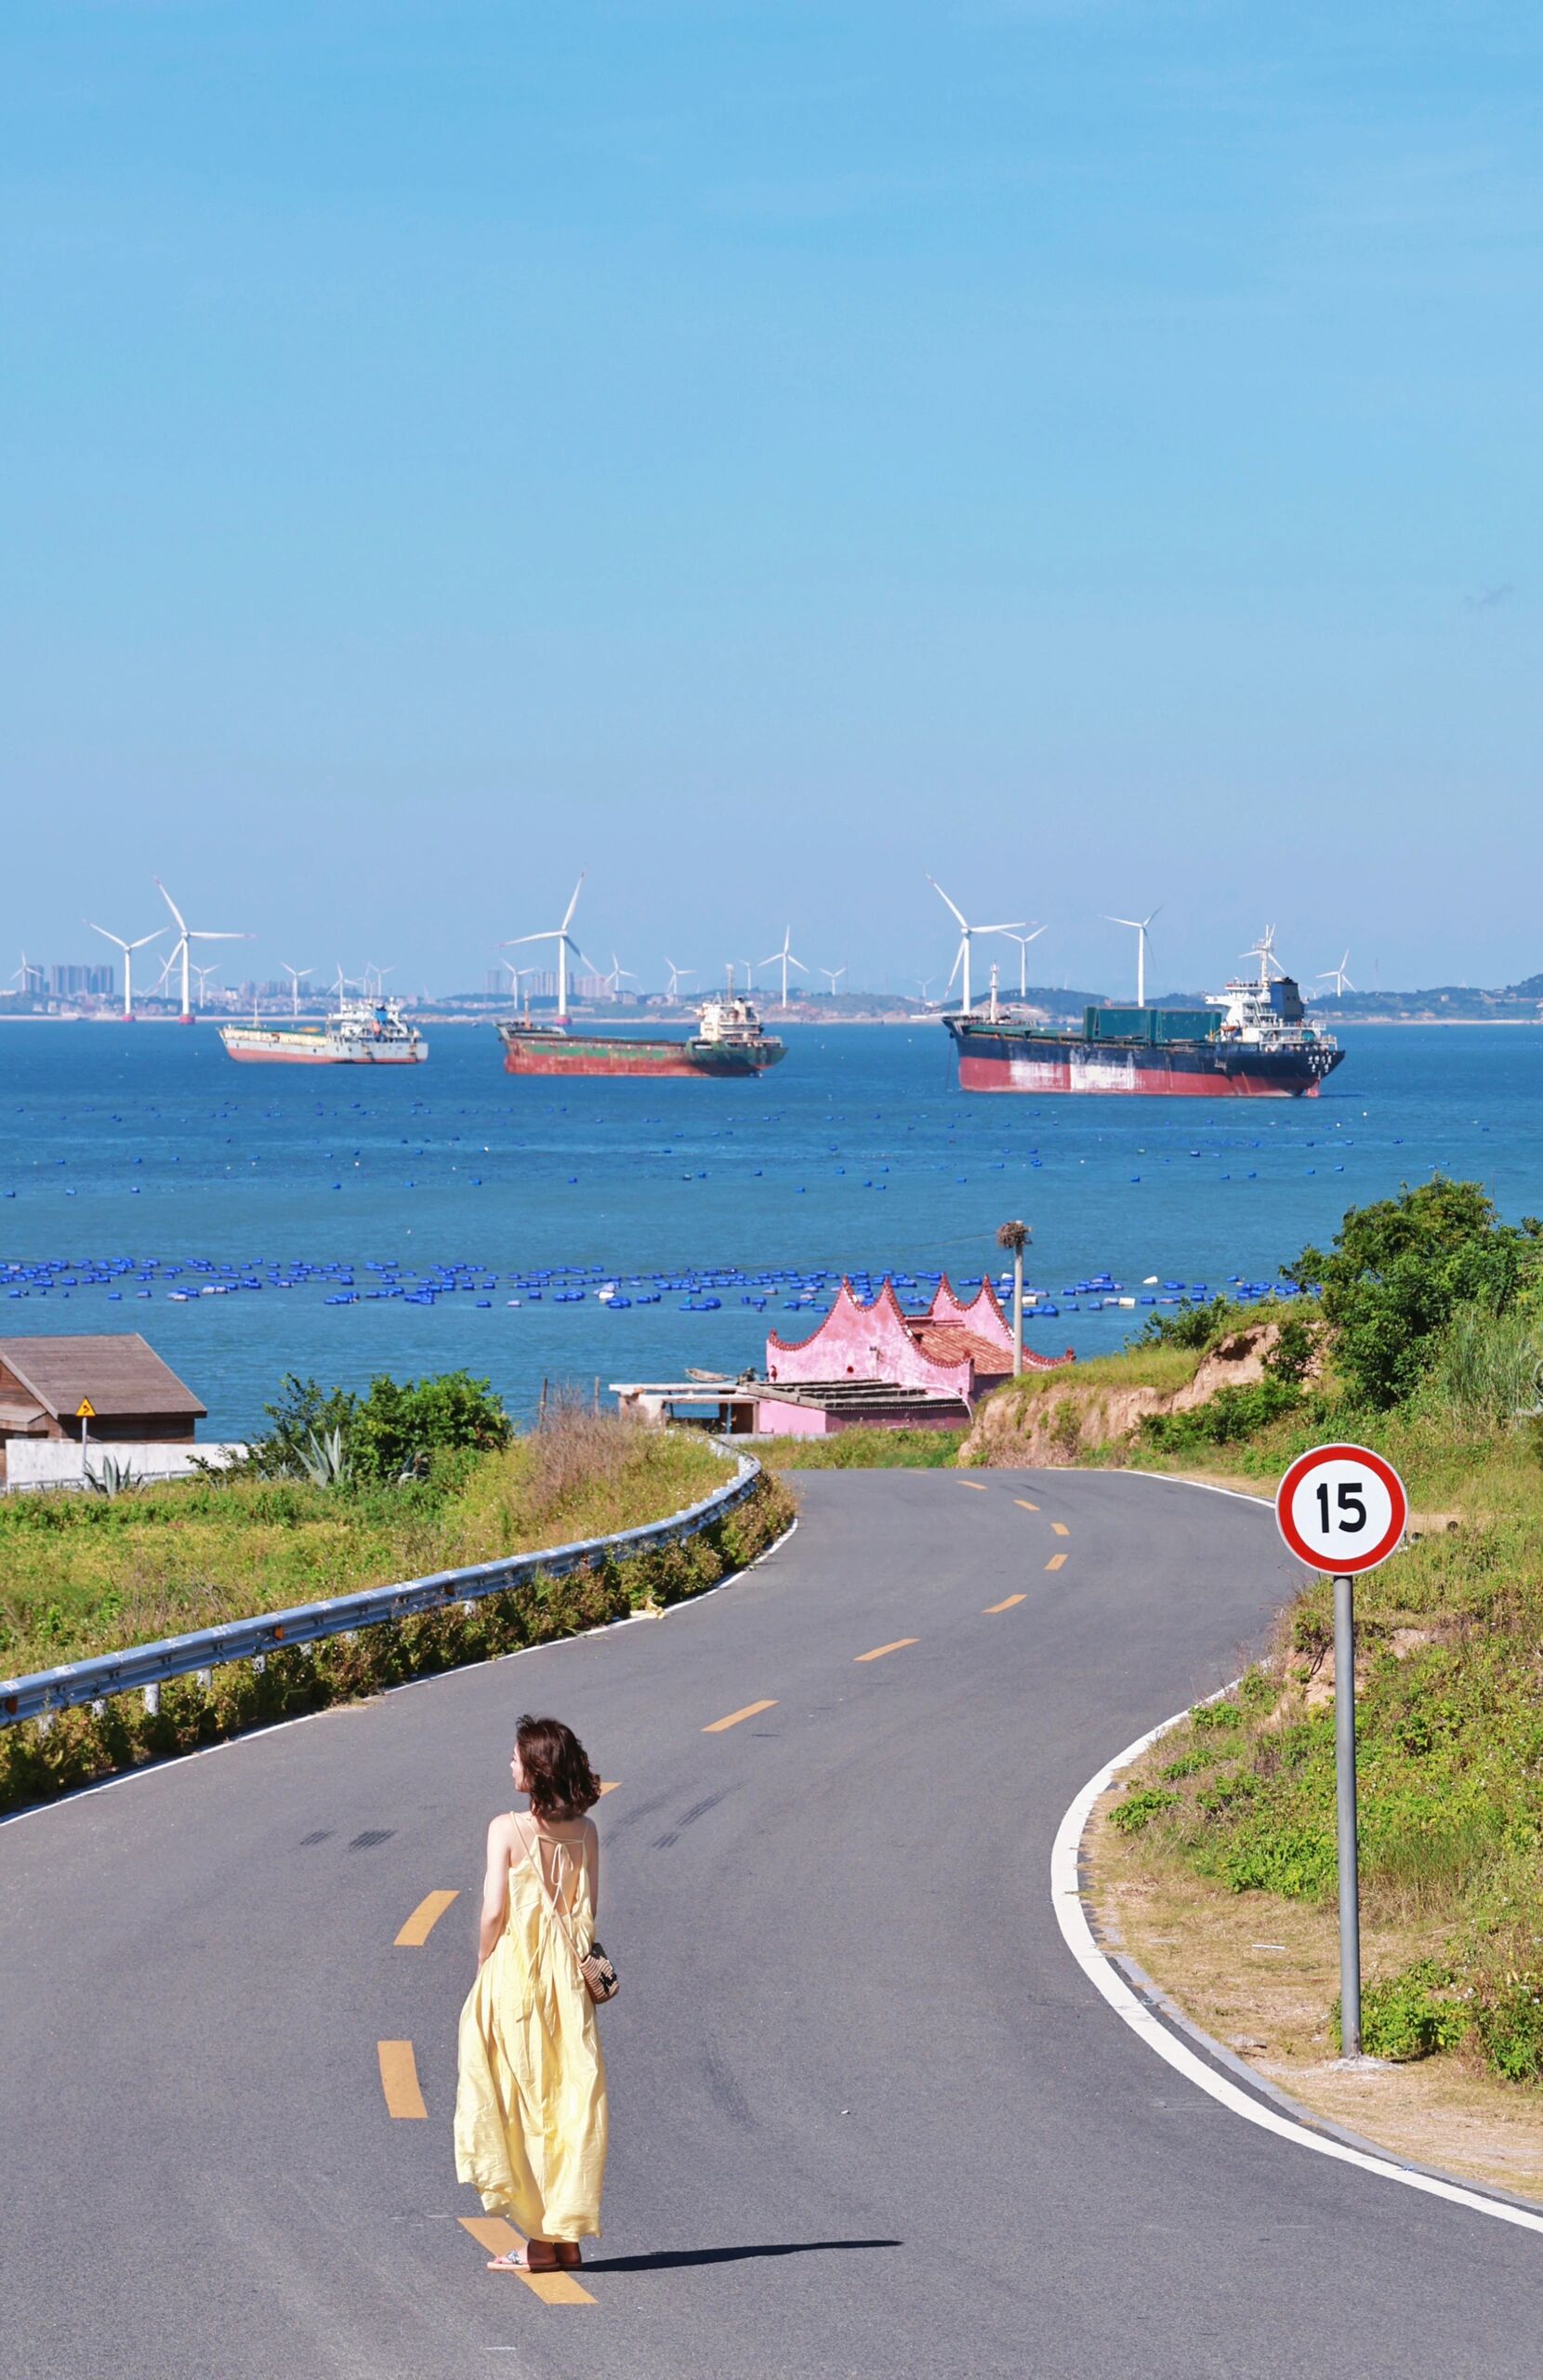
x=1251, y=1042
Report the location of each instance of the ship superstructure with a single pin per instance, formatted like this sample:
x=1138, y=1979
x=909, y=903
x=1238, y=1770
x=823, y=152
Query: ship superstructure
x=1252, y=1040
x=361, y=1033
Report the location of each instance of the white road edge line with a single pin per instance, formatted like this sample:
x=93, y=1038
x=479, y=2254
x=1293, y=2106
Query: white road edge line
x=1101, y=1973
x=408, y=1686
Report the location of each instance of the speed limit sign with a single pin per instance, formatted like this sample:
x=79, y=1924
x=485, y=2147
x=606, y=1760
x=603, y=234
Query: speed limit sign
x=1342, y=1509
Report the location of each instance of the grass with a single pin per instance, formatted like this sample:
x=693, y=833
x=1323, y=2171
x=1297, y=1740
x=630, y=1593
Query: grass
x=1150, y=1365
x=1450, y=1712
x=864, y=1451
x=83, y=1574
x=1263, y=1975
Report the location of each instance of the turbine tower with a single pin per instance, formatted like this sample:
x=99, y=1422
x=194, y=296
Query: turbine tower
x=182, y=948
x=1341, y=981
x=128, y=948
x=1023, y=939
x=294, y=973
x=565, y=943
x=1139, y=927
x=1264, y=951
x=784, y=958
x=967, y=935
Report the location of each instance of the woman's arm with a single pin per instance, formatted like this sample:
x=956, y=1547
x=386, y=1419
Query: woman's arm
x=592, y=1865
x=495, y=1886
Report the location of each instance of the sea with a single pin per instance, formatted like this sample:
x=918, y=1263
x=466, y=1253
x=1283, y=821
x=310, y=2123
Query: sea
x=254, y=1221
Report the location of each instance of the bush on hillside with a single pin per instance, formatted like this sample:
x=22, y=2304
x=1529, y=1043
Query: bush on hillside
x=1399, y=1270
x=393, y=1434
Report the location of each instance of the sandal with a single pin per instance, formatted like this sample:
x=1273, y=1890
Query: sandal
x=569, y=2255
x=521, y=2259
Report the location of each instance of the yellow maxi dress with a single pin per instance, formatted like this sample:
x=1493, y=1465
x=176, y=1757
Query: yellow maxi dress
x=531, y=2116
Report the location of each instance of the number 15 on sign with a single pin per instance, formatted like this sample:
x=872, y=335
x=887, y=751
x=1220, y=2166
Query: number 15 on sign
x=1342, y=1509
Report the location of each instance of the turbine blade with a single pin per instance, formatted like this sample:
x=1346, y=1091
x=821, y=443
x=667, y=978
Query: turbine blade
x=948, y=903
x=171, y=906
x=568, y=914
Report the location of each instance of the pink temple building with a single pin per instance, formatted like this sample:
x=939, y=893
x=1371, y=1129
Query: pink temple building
x=877, y=1365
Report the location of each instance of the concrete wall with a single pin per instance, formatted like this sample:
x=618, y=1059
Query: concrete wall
x=56, y=1462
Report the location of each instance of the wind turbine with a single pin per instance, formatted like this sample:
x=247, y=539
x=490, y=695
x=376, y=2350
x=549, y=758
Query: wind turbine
x=1264, y=951
x=924, y=985
x=784, y=958
x=186, y=936
x=376, y=991
x=833, y=976
x=22, y=976
x=1023, y=939
x=967, y=935
x=565, y=943
x=1341, y=981
x=294, y=974
x=1139, y=927
x=617, y=975
x=128, y=948
x=203, y=975
x=673, y=989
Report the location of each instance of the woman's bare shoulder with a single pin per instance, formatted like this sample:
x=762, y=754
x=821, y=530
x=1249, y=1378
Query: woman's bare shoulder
x=505, y=1828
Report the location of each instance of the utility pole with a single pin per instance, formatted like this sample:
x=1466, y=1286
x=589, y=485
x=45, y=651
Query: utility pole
x=1016, y=1236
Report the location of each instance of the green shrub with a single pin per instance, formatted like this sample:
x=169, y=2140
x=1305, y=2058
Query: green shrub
x=1508, y=2017
x=1293, y=1857
x=1140, y=1808
x=1398, y=1271
x=1208, y=1716
x=1409, y=2016
x=1191, y=1325
x=1232, y=1414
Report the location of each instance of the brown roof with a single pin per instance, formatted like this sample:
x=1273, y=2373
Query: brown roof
x=950, y=1343
x=118, y=1374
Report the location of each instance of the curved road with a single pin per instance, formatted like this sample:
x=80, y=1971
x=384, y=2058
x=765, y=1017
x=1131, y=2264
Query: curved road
x=868, y=2117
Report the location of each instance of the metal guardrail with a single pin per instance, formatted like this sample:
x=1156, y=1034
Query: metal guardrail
x=147, y=1668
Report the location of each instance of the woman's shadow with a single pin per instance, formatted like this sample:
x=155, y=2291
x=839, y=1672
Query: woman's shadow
x=671, y=2259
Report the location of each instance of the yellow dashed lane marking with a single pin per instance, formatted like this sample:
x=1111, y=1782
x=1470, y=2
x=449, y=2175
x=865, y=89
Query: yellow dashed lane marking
x=879, y=1650
x=609, y=1789
x=500, y=2238
x=426, y=1915
x=1001, y=1607
x=1060, y=1529
x=750, y=1711
x=979, y=1484
x=399, y=2079
x=1055, y=1561
x=1023, y=1504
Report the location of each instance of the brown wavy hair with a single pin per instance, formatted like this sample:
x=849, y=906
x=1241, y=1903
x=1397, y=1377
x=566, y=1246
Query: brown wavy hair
x=558, y=1775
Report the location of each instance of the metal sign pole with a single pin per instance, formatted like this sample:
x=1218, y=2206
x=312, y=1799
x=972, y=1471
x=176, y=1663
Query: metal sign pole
x=1344, y=1763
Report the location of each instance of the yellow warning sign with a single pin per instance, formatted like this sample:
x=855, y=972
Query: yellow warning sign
x=86, y=1410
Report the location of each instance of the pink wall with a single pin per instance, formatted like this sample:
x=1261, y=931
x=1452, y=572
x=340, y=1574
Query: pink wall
x=865, y=1343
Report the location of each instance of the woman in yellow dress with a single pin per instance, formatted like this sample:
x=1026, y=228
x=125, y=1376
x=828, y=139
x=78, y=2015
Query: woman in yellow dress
x=529, y=2108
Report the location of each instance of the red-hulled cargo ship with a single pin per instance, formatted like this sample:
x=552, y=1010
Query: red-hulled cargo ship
x=729, y=1039
x=1251, y=1042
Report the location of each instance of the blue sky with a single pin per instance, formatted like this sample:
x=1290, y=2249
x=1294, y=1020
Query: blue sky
x=760, y=453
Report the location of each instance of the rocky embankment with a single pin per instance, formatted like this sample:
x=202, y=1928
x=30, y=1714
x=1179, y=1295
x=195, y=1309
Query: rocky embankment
x=1050, y=1417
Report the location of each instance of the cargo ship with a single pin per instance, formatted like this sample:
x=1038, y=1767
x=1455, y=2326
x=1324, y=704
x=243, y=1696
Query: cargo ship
x=363, y=1033
x=1250, y=1041
x=729, y=1039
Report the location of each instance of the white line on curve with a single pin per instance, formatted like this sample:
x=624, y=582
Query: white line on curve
x=1147, y=2026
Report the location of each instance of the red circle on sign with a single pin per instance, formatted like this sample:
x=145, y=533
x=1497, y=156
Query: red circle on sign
x=1342, y=1563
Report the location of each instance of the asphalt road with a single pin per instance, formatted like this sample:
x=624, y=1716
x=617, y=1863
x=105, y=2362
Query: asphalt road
x=869, y=2119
